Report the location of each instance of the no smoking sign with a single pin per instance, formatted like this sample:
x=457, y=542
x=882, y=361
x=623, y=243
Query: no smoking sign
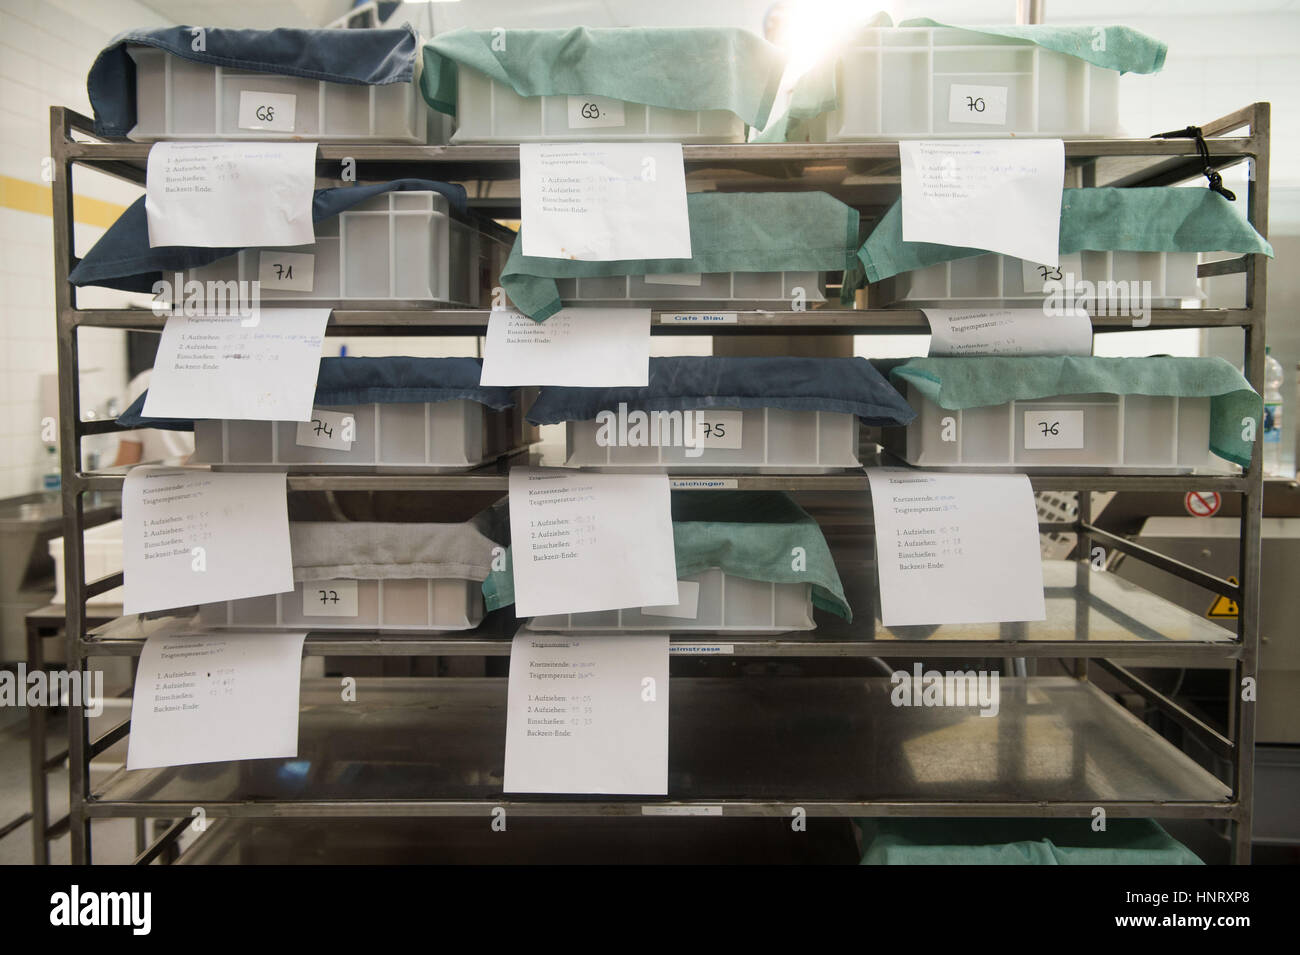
x=1202, y=503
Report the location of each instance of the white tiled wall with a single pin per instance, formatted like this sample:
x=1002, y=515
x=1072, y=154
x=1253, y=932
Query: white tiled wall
x=46, y=48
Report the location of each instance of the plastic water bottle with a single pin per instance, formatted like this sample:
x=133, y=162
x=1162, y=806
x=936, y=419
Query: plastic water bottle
x=52, y=477
x=1273, y=376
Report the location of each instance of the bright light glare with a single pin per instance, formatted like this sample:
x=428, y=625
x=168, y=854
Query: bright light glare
x=808, y=29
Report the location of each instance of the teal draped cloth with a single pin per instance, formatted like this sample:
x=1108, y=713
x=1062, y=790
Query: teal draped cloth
x=748, y=534
x=972, y=381
x=688, y=68
x=1020, y=842
x=730, y=232
x=1155, y=219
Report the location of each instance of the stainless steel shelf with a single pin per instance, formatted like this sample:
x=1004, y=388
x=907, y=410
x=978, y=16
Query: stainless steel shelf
x=878, y=160
x=350, y=318
x=498, y=480
x=865, y=175
x=1089, y=615
x=752, y=747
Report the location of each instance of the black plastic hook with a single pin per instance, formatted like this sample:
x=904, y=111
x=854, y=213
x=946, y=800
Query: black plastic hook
x=1212, y=174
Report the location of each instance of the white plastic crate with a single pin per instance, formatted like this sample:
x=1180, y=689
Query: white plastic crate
x=102, y=548
x=1151, y=432
x=769, y=439
x=934, y=82
x=433, y=436
x=417, y=604
x=491, y=112
x=725, y=602
x=778, y=288
x=398, y=245
x=992, y=279
x=180, y=99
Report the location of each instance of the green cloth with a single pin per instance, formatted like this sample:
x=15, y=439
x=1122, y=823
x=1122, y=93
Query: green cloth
x=748, y=534
x=1020, y=842
x=1156, y=219
x=692, y=68
x=1122, y=49
x=972, y=381
x=730, y=232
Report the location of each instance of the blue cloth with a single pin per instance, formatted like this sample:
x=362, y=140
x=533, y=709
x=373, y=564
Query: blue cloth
x=359, y=381
x=122, y=258
x=849, y=385
x=354, y=57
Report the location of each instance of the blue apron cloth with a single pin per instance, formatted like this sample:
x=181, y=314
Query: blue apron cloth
x=354, y=57
x=359, y=381
x=849, y=385
x=122, y=258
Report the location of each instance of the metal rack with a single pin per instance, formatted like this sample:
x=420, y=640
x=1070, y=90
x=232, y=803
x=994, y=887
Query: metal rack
x=1095, y=745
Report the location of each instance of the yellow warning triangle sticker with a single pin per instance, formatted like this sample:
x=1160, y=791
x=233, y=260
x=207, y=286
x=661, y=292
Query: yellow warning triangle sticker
x=1223, y=606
